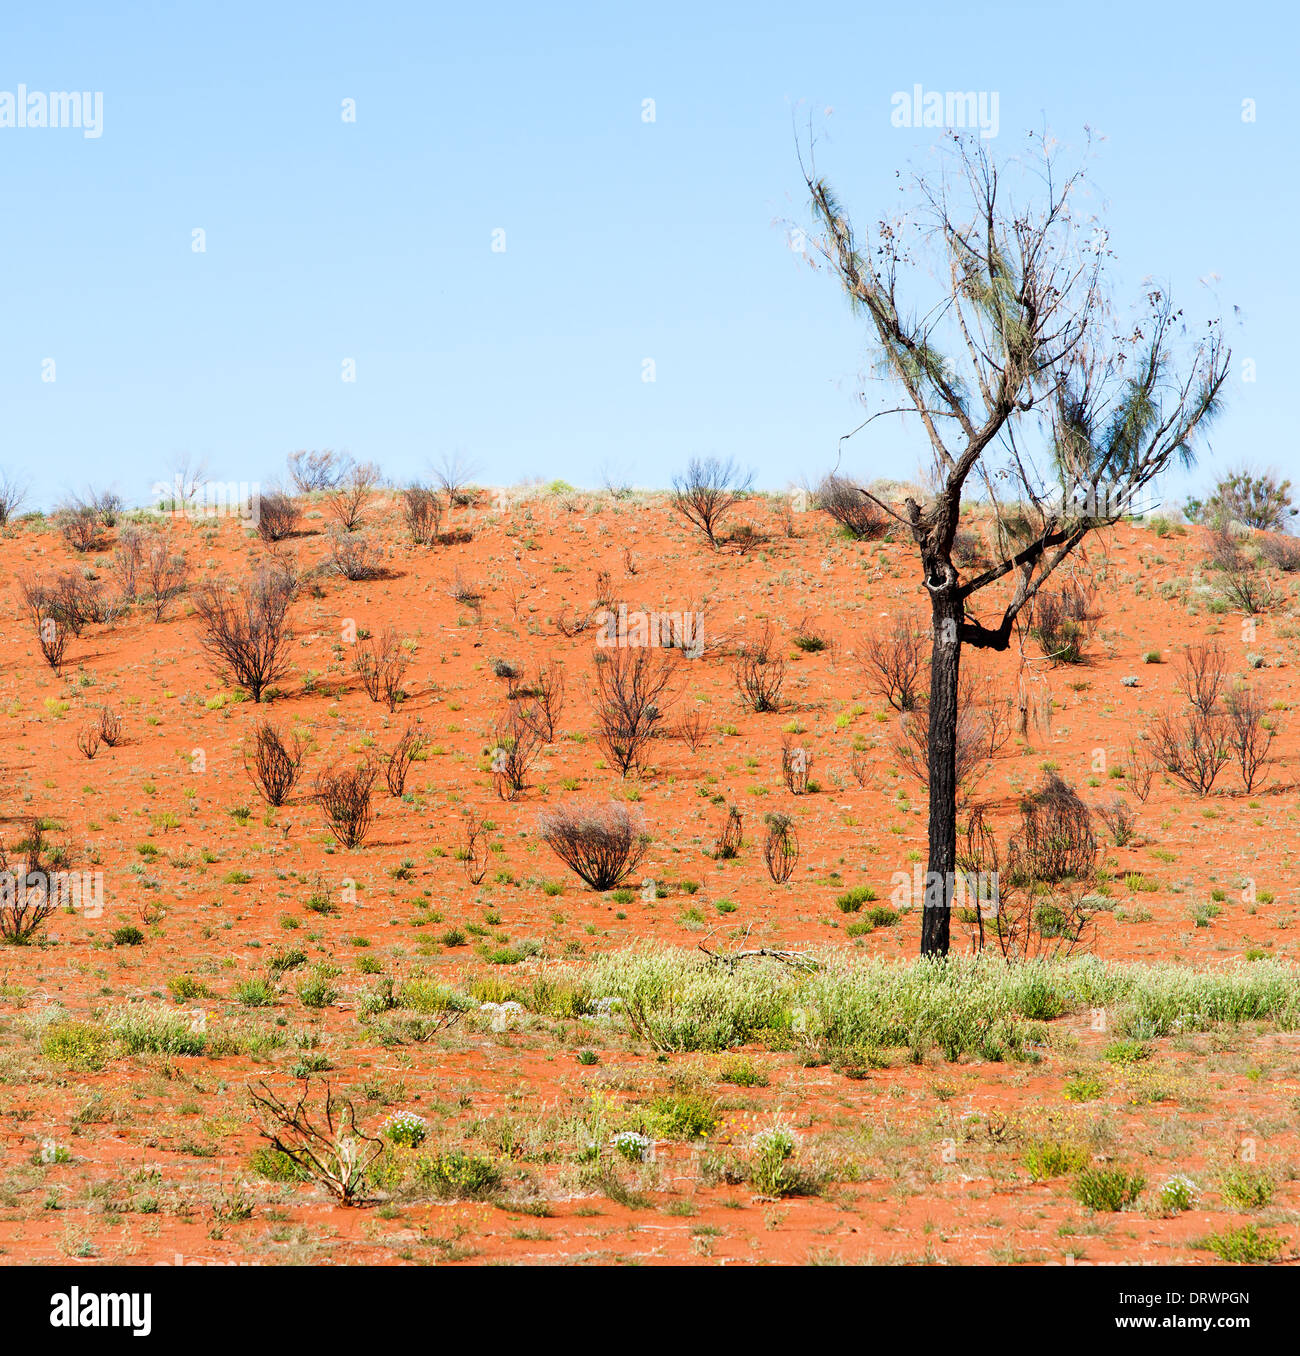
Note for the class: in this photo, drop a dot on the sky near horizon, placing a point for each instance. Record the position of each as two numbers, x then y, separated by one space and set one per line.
377 240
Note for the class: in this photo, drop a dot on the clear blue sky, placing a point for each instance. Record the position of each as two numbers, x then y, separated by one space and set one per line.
625 240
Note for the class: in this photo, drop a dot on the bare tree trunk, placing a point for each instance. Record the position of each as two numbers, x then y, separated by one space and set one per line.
945 667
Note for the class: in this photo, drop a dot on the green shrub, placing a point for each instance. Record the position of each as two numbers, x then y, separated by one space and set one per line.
1245 1245
1083 1088
1246 1188
275 1165
254 993
406 1128
742 1072
77 1045
1126 1052
426 996
1108 1189
1178 1194
685 1116
459 1175
127 935
183 988
315 989
1054 1159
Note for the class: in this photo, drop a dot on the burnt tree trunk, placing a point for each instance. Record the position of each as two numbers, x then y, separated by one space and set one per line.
945 672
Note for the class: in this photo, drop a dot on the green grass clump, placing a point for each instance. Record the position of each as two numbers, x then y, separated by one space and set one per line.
147 1030
286 959
681 1001
1051 1158
1126 1052
852 900
425 996
1108 1189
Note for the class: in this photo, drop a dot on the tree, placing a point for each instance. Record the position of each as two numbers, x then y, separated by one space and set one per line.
1027 386
1255 499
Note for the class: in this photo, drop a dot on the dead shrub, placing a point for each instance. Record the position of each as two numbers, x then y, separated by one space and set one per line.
1031 919
381 663
13 494
110 726
350 499
860 766
88 739
81 526
911 748
517 744
1062 622
1140 770
1056 841
729 842
312 472
1192 746
894 664
244 629
466 592
1200 675
1120 821
632 693
405 751
601 844
422 509
166 574
28 890
52 636
545 699
277 516
759 673
693 729
859 517
781 847
1281 551
474 853
273 764
795 763
346 796
1250 734
355 558
707 492
128 562
335 1153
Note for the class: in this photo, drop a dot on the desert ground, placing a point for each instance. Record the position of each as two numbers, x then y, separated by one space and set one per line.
539 1072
